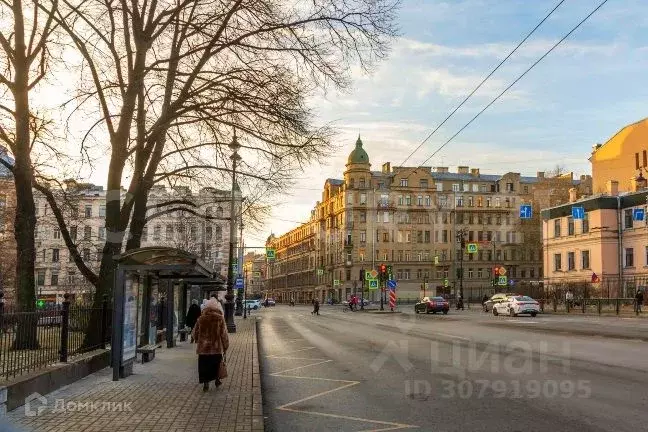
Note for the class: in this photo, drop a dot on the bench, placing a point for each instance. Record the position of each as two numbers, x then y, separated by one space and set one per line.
148 352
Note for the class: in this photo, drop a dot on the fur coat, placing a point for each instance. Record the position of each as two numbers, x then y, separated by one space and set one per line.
210 333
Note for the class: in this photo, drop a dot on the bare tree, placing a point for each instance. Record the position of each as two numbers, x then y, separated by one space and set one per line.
24 56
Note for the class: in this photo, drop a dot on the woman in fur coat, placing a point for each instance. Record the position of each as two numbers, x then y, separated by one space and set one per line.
210 334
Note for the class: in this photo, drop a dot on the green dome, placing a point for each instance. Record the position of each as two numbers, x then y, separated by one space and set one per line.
358 155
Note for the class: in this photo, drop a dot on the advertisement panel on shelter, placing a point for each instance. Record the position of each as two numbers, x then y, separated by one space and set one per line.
129 338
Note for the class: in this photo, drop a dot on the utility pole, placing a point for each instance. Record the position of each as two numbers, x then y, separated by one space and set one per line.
229 297
462 244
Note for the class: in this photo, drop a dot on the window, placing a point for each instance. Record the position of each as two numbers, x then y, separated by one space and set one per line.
363 198
88 211
385 217
157 232
439 187
362 183
54 279
466 187
585 223
87 233
455 187
169 232
57 233
428 202
102 233
557 228
403 182
73 233
498 202
488 202
570 226
424 183
55 255
509 187
585 262
571 265
470 273
219 212
102 211
40 277
459 201
419 200
209 232
350 198
86 254
470 202
628 218
637 160
645 158
557 262
71 277
629 257
408 200
144 234
219 232
386 237
363 236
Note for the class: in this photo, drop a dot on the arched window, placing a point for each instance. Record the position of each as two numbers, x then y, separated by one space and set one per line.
209 211
219 232
219 212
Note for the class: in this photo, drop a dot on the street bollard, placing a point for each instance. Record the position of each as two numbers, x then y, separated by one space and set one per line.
65 327
618 306
584 305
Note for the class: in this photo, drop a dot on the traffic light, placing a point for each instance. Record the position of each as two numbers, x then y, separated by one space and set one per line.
463 243
383 268
390 274
362 274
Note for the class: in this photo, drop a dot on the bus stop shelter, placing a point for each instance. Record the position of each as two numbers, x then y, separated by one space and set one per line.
144 277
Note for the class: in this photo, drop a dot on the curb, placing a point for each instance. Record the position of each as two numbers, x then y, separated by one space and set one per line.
258 420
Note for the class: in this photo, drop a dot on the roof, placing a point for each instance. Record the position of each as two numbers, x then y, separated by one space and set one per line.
464 177
626 128
597 202
335 182
178 262
358 155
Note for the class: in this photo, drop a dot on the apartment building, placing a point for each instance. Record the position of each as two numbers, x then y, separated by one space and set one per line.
254 273
409 218
204 231
7 239
606 252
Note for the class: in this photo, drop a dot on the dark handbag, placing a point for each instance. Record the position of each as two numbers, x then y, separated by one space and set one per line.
222 370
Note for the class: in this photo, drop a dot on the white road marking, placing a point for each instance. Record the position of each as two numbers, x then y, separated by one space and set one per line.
391 426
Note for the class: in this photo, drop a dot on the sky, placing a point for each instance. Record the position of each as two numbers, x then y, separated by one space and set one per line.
587 89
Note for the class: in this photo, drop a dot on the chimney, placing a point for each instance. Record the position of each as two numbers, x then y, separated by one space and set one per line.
386 167
572 195
441 169
612 187
475 172
638 183
541 174
463 170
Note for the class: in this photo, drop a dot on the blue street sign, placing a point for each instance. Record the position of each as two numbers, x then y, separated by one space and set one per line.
238 283
391 284
511 282
526 211
638 214
578 212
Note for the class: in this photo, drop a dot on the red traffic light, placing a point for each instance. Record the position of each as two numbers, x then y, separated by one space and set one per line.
383 268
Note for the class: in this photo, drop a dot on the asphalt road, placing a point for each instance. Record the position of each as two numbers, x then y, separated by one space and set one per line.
462 372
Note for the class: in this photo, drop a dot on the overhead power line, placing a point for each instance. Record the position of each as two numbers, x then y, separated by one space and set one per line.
483 81
511 85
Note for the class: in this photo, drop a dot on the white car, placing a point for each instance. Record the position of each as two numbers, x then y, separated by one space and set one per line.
516 305
253 304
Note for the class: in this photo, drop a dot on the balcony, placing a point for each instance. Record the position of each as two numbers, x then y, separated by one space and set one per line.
348 244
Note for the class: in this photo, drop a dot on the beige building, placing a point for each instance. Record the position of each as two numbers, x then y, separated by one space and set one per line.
7 239
254 273
205 234
409 218
604 254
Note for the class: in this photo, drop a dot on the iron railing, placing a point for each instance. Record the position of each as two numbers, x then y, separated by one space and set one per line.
35 339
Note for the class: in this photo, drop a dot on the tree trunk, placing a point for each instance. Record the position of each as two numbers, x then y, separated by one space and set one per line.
138 219
25 222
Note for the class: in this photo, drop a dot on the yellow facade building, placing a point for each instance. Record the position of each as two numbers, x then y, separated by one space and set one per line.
622 158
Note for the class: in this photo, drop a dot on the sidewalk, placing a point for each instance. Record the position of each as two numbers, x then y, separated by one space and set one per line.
163 395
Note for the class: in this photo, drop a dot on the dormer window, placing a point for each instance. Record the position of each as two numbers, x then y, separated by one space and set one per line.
362 183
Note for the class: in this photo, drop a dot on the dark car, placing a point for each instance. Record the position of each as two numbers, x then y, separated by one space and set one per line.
432 304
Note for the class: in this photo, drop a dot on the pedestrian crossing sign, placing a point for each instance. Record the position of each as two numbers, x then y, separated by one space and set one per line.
270 254
471 248
502 281
373 284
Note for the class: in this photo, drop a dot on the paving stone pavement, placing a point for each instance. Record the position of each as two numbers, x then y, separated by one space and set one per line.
163 395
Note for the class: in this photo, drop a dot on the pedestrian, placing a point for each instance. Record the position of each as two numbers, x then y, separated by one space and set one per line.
202 305
210 333
639 298
316 306
484 300
192 316
460 304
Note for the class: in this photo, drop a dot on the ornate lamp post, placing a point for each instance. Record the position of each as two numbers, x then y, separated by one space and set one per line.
229 297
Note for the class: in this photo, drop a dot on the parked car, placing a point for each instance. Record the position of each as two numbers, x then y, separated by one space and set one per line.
253 304
497 298
270 302
432 304
517 305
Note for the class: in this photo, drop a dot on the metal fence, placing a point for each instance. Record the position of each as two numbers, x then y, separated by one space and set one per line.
33 340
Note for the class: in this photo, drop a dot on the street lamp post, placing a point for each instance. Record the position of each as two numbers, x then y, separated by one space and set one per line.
462 245
229 297
245 294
